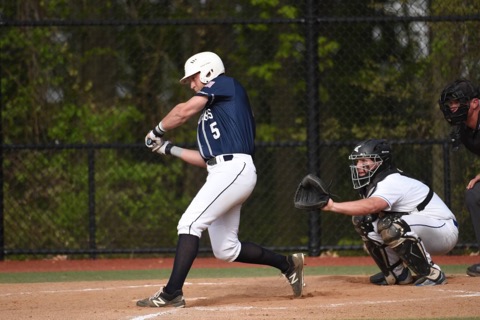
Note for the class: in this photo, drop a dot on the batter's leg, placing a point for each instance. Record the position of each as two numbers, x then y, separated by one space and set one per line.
253 253
226 246
291 266
187 250
172 294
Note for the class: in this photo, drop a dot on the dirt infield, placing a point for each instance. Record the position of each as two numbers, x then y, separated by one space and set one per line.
325 297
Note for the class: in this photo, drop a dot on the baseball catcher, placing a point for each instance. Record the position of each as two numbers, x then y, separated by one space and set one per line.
400 219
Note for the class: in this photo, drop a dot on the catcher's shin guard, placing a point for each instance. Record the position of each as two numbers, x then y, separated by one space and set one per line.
363 226
408 247
379 255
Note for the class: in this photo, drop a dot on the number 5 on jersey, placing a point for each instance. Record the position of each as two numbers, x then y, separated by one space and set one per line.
215 130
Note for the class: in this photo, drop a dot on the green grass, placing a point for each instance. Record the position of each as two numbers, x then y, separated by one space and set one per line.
65 276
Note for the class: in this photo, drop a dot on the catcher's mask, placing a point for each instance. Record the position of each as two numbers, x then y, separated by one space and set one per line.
207 63
379 151
455 100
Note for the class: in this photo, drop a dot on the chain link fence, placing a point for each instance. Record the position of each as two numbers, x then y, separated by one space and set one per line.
82 82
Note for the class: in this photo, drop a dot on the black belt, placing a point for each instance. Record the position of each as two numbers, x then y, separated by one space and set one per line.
213 161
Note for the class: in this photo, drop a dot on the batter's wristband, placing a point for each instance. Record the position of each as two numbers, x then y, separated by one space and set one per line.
158 132
168 148
175 151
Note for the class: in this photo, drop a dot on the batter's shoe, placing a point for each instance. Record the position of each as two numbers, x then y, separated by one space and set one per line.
404 278
474 270
162 299
435 278
294 274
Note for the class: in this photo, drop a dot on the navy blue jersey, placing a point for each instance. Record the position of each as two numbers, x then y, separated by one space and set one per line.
226 124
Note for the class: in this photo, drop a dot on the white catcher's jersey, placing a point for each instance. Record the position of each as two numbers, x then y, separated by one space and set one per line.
435 225
404 194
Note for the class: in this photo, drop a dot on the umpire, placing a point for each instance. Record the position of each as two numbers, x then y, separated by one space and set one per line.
459 102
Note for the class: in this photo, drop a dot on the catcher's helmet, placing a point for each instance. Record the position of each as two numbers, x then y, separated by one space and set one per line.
379 150
207 63
461 91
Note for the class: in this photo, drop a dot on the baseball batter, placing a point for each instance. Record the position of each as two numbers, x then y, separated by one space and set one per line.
225 137
401 220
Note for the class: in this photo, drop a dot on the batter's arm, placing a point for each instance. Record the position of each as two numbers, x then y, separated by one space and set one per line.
357 208
182 112
192 157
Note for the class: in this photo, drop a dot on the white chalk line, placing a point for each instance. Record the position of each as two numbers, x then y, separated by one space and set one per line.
154 315
208 309
428 299
101 289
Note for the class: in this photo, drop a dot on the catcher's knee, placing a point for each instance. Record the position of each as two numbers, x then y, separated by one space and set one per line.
363 224
408 246
392 229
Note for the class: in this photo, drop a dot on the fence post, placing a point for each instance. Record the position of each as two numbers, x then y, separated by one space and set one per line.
446 174
313 139
2 217
92 226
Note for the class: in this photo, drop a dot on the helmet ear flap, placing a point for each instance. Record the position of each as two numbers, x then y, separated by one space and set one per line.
206 76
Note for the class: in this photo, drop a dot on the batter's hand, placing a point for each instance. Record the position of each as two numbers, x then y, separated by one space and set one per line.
151 140
164 148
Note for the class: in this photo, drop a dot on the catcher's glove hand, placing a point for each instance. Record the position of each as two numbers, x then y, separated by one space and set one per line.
312 193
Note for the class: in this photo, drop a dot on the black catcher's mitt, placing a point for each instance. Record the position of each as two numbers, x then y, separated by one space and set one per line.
312 193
